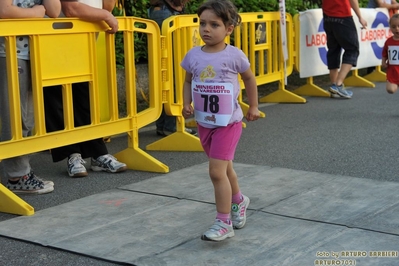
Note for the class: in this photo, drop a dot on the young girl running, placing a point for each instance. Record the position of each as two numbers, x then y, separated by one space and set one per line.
211 83
390 56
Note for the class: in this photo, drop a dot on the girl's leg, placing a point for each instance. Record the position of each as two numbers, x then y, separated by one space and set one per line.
391 87
240 202
219 144
221 184
237 196
232 175
222 228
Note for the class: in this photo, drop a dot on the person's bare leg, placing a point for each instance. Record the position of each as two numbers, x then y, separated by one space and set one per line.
343 72
391 88
221 184
333 75
232 175
223 226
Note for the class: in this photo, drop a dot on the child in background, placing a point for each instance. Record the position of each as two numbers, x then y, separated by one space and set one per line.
390 55
17 170
211 83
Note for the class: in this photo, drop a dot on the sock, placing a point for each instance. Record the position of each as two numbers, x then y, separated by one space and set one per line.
224 217
237 198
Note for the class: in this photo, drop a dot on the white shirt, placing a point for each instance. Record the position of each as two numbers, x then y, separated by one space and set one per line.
92 3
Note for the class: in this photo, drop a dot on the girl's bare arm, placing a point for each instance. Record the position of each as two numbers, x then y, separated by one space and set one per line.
8 10
252 94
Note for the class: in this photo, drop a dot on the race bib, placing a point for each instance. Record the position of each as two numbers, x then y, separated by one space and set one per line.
213 102
393 55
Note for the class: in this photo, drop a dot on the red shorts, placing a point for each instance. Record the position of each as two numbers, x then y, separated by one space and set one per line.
392 74
221 142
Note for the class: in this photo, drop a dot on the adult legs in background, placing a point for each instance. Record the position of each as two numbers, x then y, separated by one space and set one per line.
96 148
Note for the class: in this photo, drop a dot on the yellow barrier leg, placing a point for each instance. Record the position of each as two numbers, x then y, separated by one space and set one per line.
136 159
282 96
377 75
310 89
11 203
357 81
178 141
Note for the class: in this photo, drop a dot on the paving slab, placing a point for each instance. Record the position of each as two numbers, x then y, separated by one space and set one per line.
295 218
276 240
345 200
194 183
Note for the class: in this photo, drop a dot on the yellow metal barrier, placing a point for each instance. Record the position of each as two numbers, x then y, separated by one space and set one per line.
64 51
309 89
377 75
266 55
10 203
176 40
357 81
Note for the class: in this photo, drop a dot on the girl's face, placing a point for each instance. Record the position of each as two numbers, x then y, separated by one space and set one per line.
212 30
394 26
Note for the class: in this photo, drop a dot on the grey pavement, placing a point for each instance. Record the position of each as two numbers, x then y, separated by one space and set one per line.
322 178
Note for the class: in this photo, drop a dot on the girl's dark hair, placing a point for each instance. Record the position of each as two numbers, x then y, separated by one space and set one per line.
224 9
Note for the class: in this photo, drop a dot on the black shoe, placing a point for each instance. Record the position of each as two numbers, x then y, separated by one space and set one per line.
160 133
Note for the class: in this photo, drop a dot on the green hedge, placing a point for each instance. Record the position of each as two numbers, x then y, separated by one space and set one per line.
139 8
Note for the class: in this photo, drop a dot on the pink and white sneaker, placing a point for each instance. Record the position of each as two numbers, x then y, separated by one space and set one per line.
239 213
218 231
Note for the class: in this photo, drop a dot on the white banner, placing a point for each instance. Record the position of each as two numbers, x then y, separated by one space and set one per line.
313 42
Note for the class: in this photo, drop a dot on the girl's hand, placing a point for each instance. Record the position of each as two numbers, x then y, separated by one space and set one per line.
252 114
187 111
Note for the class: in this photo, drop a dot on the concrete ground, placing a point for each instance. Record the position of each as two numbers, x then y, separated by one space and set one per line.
322 178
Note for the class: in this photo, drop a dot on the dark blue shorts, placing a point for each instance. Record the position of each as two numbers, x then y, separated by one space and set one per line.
341 35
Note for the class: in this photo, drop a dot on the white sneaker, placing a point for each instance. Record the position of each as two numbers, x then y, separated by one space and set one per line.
45 182
239 213
107 163
218 231
30 184
75 165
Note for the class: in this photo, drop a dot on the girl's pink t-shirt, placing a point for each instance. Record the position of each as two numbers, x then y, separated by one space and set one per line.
218 68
